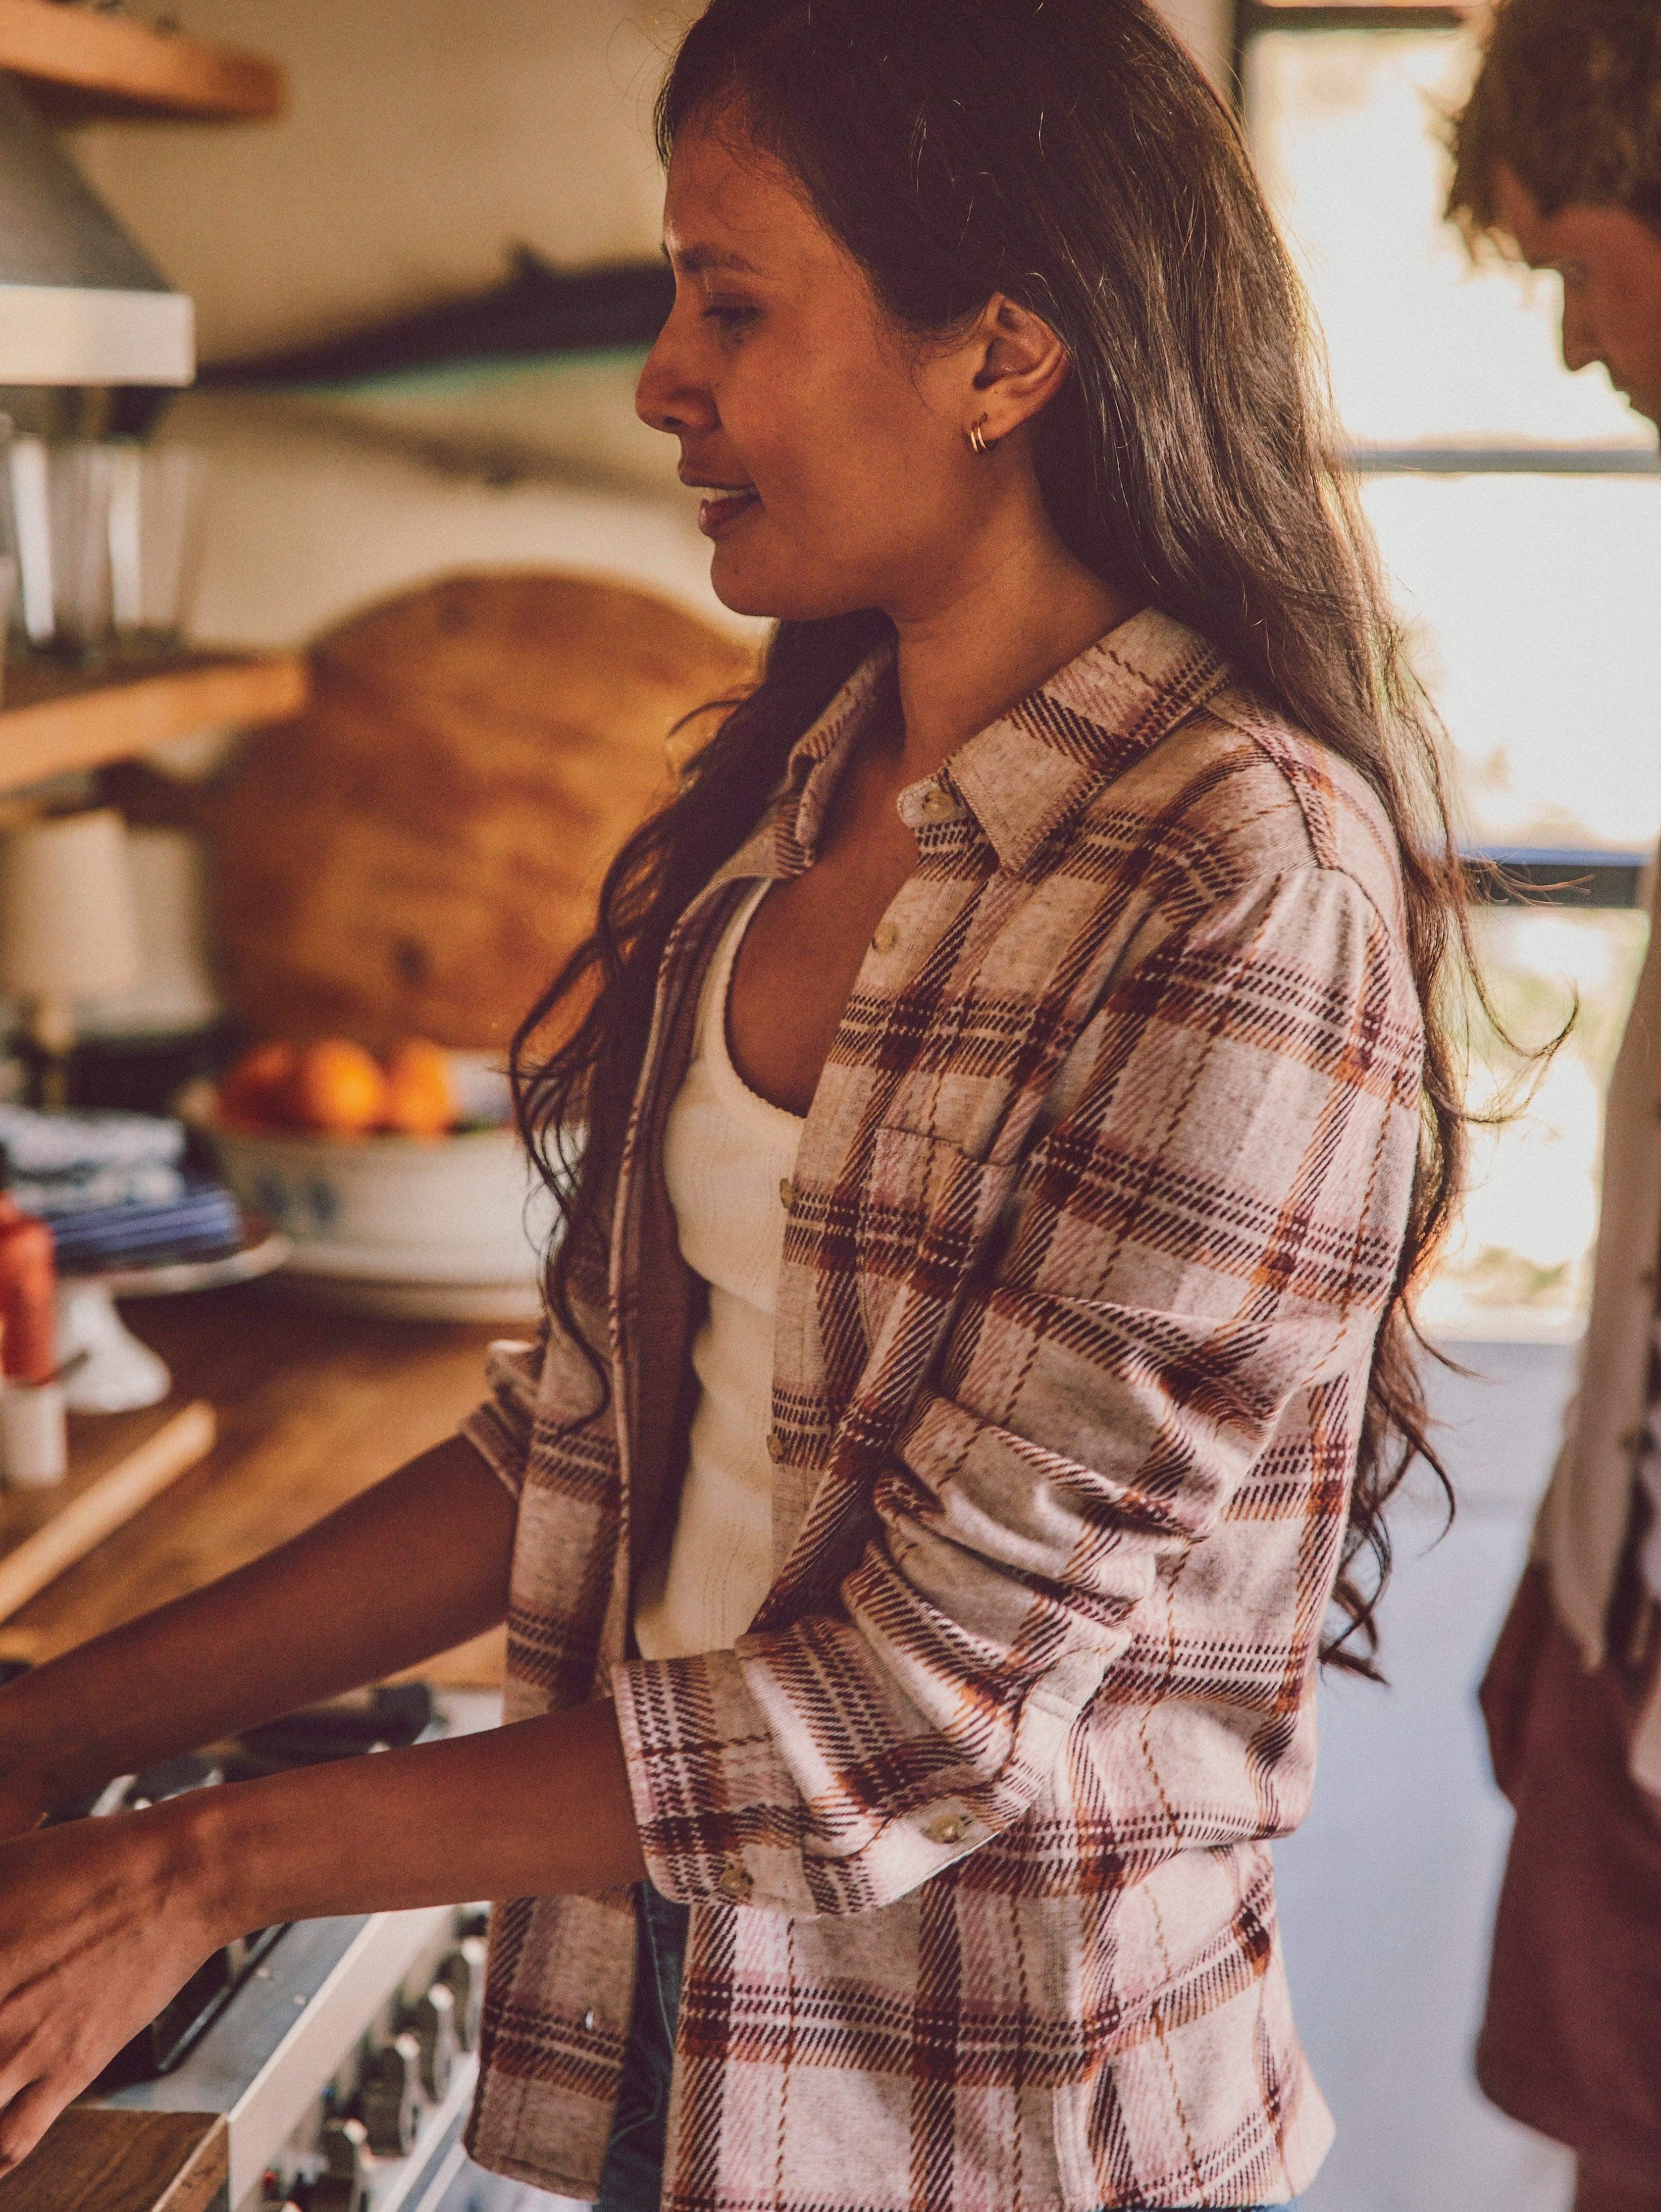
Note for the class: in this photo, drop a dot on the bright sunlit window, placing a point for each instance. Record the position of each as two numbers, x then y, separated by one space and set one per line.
1520 511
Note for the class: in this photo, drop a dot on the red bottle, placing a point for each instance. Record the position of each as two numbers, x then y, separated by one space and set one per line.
29 1295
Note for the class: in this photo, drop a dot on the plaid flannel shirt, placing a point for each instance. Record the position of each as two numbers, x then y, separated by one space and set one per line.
1096 1213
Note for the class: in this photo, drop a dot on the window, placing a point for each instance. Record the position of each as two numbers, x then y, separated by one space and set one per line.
1518 512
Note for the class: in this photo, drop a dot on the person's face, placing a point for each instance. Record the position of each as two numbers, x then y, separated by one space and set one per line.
1611 265
835 449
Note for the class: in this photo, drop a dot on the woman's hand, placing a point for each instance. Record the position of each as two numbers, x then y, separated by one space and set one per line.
28 1789
24 1801
100 1923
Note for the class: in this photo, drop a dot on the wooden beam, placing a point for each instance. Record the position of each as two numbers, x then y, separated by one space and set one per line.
1356 15
87 64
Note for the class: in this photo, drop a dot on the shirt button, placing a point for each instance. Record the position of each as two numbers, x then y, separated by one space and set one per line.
887 937
935 802
588 2023
734 1883
774 1446
786 1194
948 1828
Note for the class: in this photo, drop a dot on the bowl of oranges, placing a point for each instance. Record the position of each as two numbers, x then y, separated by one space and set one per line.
397 1177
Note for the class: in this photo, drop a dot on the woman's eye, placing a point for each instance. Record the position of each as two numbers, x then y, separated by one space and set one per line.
730 315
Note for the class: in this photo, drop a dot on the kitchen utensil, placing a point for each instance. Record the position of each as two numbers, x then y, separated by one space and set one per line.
155 514
60 497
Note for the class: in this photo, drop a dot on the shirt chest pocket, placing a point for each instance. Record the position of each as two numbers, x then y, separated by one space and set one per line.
927 1214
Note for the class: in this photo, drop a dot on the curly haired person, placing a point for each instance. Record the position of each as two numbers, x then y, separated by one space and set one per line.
1558 158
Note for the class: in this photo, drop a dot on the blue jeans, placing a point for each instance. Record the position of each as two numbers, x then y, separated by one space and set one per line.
632 2179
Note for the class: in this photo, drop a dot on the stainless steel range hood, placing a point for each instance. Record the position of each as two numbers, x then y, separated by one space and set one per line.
79 303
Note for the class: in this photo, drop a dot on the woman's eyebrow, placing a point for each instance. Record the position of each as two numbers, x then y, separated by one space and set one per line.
695 259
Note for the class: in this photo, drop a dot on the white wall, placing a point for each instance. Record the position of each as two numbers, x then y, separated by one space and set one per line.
423 138
1387 1892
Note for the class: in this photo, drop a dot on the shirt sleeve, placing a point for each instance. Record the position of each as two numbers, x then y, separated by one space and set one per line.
1212 1226
499 1427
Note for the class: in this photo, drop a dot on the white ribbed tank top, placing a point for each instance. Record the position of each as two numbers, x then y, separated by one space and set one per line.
726 1154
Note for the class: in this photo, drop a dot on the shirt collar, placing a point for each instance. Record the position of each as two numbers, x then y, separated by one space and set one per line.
1026 772
817 759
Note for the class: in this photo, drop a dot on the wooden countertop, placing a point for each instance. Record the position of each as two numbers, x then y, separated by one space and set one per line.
314 1406
100 2162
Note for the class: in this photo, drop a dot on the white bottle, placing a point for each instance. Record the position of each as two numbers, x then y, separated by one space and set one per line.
34 1451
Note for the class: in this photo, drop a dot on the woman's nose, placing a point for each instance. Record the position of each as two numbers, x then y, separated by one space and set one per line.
669 397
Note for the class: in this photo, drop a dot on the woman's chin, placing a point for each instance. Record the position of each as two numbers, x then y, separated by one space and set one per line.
738 593
749 587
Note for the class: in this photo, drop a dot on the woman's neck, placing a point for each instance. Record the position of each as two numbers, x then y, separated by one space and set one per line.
1011 616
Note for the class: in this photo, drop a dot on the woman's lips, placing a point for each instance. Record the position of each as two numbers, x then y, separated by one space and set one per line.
719 511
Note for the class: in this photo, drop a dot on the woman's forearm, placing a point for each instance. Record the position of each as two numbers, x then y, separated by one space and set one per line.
413 1566
102 1922
534 1809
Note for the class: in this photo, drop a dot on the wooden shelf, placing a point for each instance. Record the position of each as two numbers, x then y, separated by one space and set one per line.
81 65
57 720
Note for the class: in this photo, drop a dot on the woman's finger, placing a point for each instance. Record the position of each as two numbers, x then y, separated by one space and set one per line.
22 2062
26 2119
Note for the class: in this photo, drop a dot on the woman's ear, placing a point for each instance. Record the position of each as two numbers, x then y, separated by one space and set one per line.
1022 366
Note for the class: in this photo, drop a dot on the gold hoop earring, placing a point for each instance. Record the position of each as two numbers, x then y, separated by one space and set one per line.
978 441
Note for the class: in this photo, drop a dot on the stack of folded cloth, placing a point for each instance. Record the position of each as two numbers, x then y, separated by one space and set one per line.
115 1189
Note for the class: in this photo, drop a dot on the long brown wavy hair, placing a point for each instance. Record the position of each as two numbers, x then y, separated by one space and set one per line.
1069 154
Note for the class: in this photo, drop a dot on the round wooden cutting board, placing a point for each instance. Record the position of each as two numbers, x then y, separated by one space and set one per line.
419 850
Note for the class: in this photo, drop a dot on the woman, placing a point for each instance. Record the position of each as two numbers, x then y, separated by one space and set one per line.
1014 1109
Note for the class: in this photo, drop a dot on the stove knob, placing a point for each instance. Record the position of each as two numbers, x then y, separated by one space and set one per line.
434 2023
343 2183
463 1975
391 2097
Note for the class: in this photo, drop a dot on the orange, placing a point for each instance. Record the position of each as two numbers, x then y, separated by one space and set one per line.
421 1099
338 1086
254 1088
